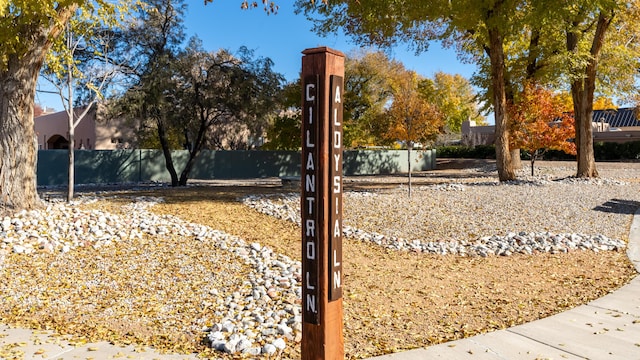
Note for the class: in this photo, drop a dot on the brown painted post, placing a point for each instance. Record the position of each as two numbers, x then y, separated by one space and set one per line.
321 204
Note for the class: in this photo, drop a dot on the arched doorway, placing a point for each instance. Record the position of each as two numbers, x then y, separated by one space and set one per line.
57 142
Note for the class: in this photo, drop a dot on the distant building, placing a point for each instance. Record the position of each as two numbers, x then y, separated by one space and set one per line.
52 132
98 133
615 125
473 135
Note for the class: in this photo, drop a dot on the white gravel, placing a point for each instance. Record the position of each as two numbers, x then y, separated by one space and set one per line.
480 216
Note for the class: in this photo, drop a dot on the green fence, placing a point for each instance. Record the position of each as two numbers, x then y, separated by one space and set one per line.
131 166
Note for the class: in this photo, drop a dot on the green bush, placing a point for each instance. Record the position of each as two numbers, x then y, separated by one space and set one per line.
607 151
555 155
603 151
467 152
633 150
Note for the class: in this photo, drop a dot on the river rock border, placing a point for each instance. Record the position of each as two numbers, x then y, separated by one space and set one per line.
286 207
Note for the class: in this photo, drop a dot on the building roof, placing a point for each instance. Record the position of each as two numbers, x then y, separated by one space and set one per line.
622 117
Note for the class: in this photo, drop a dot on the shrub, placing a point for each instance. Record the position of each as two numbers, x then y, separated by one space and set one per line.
603 151
467 152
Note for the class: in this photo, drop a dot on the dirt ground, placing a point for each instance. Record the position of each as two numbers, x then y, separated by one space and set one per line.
392 301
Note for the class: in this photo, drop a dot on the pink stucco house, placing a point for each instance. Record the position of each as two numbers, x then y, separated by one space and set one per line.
52 132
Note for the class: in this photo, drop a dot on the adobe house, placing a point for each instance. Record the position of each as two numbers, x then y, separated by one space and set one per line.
614 125
52 132
110 134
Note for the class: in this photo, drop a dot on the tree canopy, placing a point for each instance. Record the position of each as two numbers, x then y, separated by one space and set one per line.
454 97
559 43
283 133
28 31
369 80
411 118
372 79
191 98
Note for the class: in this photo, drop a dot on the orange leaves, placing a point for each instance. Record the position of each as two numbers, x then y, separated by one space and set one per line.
538 123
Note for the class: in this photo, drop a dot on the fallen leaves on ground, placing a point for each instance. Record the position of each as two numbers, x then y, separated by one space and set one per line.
156 292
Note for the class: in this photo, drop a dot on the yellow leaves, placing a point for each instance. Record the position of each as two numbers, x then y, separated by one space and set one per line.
603 103
124 294
11 352
3 7
413 118
128 293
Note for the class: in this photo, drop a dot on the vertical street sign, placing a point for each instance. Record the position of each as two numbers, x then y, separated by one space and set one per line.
310 209
321 204
335 170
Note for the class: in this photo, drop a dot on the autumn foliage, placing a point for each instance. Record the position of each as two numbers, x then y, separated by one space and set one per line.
412 119
538 123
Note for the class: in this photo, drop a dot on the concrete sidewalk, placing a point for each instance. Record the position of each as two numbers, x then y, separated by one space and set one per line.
28 344
607 328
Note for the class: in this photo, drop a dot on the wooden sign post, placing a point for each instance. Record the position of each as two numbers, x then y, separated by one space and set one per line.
321 204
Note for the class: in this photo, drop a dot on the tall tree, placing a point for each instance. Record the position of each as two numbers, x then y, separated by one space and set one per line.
600 49
531 58
411 118
455 97
154 42
27 31
473 24
219 91
81 62
192 98
583 79
369 80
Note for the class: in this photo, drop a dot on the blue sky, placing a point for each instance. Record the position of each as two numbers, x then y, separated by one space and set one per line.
283 37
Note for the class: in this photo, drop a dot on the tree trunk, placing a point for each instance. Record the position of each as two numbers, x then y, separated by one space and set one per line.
184 176
409 146
168 159
582 92
193 153
198 143
17 136
71 127
503 156
533 163
71 166
583 112
515 159
18 140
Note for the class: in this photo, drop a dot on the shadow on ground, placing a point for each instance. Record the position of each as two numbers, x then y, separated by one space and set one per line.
619 206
